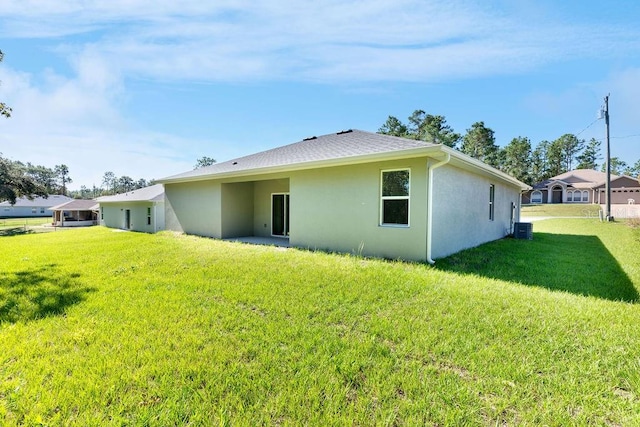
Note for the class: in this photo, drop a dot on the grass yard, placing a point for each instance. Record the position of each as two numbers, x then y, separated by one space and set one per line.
109 328
562 210
13 226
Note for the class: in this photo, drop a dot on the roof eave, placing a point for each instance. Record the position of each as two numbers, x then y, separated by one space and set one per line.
464 160
434 151
429 151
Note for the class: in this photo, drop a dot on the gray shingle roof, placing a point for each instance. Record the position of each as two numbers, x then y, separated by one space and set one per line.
154 193
347 147
77 205
334 146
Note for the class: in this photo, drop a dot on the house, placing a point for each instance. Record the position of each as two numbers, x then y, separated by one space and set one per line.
624 190
38 207
139 210
351 191
584 186
76 213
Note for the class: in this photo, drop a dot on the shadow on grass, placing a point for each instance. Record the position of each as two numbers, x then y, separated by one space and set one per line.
15 231
34 294
578 264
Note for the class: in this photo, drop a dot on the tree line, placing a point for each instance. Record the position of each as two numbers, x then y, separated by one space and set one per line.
19 179
519 158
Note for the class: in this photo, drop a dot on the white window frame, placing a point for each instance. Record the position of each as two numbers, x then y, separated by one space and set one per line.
383 198
585 196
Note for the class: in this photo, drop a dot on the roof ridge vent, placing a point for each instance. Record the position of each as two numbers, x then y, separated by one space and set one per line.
342 132
310 138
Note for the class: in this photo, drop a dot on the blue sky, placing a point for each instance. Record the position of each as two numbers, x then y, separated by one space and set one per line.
145 87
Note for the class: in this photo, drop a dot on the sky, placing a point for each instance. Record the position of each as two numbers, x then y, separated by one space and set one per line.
144 88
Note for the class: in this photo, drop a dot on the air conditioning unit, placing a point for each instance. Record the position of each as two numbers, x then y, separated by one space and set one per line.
523 230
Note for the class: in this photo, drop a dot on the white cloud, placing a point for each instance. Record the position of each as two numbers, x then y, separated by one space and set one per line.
76 121
407 40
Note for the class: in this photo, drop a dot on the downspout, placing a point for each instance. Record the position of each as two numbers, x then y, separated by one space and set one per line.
430 206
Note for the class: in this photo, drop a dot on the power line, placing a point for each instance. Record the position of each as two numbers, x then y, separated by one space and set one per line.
590 124
626 136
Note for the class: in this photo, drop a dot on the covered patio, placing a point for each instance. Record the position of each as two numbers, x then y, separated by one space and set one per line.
76 213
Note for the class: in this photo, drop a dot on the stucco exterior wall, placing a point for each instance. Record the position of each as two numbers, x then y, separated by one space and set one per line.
461 210
237 215
338 209
113 215
24 211
194 208
262 204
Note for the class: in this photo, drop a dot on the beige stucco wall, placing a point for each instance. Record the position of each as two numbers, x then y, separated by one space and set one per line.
113 216
338 209
194 208
461 210
237 215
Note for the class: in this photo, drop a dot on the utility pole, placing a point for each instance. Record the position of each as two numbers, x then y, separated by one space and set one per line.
608 185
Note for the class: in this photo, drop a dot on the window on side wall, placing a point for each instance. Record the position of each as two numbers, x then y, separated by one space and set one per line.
492 196
148 216
395 193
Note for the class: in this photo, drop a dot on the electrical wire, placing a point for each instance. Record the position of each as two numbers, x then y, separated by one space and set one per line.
591 124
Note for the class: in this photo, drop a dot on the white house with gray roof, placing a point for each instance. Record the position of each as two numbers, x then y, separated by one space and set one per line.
36 207
351 191
137 210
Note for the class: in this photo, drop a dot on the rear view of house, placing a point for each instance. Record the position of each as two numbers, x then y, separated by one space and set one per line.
353 192
137 210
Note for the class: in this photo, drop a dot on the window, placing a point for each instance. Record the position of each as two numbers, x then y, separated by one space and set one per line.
536 197
492 195
576 196
101 212
148 216
585 196
569 196
33 210
394 206
41 210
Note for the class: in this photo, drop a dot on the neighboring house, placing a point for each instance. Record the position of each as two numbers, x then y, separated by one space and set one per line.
139 210
76 213
352 191
584 186
38 207
624 190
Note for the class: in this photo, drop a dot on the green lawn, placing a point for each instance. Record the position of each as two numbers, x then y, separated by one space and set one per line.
562 210
113 328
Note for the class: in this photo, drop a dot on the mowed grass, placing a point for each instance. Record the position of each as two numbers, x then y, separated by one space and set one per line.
11 226
111 328
562 210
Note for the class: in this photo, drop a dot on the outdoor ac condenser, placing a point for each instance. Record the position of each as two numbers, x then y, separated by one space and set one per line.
523 230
